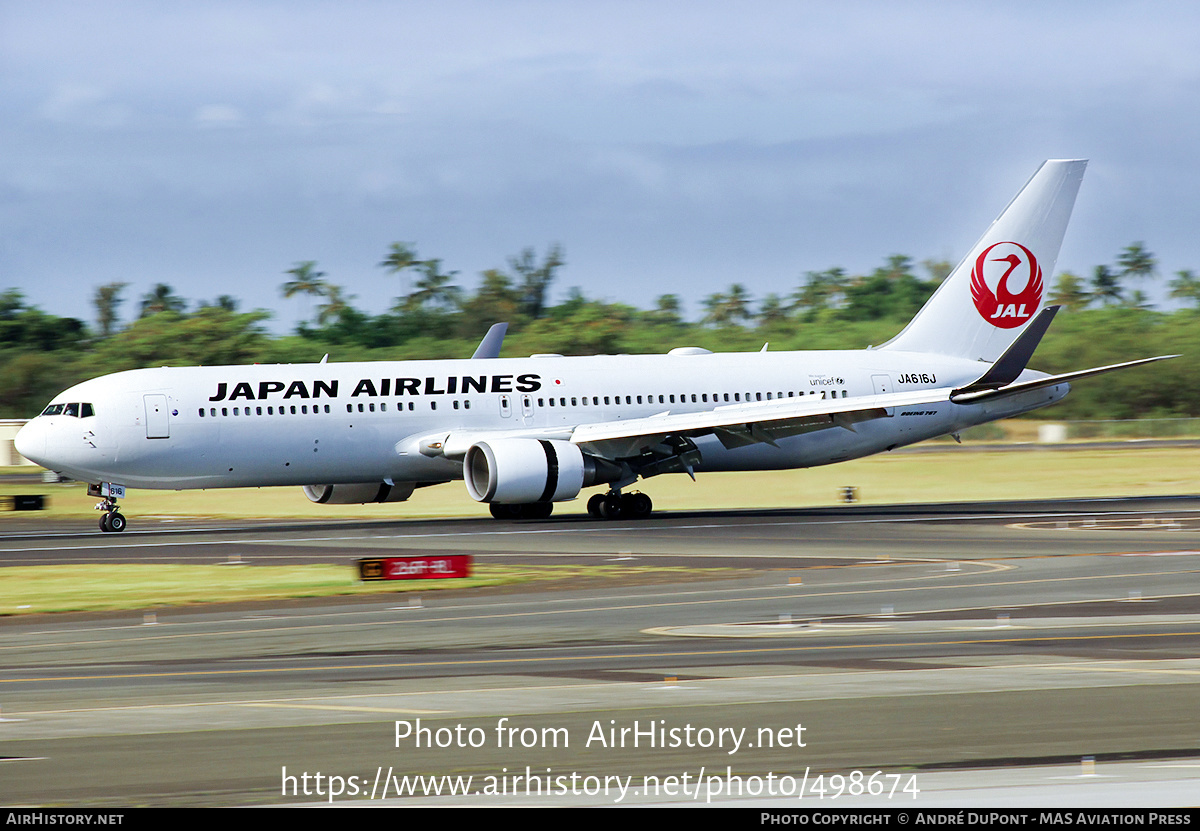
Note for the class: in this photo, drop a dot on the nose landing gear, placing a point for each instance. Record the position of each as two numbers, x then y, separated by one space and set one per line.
112 519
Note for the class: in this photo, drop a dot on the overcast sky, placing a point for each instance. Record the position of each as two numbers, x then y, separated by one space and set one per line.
668 147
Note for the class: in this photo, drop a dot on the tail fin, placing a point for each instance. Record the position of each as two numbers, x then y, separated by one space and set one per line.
986 302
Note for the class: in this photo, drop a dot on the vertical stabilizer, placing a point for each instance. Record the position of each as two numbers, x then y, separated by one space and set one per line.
987 301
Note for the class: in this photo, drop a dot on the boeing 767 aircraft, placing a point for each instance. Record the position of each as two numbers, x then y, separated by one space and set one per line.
525 433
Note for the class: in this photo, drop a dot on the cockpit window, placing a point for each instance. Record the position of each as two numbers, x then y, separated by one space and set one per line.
74 409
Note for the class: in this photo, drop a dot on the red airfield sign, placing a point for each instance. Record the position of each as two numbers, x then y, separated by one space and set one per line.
415 568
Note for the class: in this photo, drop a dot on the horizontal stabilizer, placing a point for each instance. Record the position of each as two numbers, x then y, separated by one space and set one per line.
966 396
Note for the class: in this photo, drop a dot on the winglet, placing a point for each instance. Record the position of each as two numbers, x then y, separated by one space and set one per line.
1009 366
489 347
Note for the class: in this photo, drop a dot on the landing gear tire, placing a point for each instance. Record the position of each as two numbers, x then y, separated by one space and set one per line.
636 505
611 506
112 521
594 504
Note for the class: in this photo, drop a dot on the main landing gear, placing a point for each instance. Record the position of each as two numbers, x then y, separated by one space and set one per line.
616 505
112 520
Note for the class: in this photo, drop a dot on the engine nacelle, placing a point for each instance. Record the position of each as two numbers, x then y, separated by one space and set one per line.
520 471
359 493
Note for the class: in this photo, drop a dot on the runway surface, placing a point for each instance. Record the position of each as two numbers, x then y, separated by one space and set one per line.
913 641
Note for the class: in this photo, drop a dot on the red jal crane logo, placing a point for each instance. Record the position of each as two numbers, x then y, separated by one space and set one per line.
1004 309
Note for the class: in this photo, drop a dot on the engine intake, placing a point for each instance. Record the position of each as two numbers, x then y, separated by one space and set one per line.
520 471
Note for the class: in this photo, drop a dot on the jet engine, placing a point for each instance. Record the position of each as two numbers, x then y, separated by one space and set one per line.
359 493
521 471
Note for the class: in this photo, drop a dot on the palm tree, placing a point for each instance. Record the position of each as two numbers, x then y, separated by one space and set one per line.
433 288
1186 286
307 280
1069 291
333 307
161 298
772 312
1106 286
821 290
107 299
402 256
1135 261
668 309
730 309
535 279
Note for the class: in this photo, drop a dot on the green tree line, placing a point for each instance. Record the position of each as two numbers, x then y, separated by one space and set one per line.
1107 319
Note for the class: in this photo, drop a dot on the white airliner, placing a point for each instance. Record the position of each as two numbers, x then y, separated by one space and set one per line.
525 433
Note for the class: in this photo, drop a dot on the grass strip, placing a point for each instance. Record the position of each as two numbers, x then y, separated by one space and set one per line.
101 588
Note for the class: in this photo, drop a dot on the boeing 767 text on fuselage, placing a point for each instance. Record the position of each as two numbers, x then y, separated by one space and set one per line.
525 433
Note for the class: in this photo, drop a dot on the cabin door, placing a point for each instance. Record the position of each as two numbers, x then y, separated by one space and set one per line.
158 424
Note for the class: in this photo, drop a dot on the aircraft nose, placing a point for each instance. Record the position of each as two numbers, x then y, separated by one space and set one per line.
30 441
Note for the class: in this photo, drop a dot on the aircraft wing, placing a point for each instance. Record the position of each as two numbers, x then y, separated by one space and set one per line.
737 425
